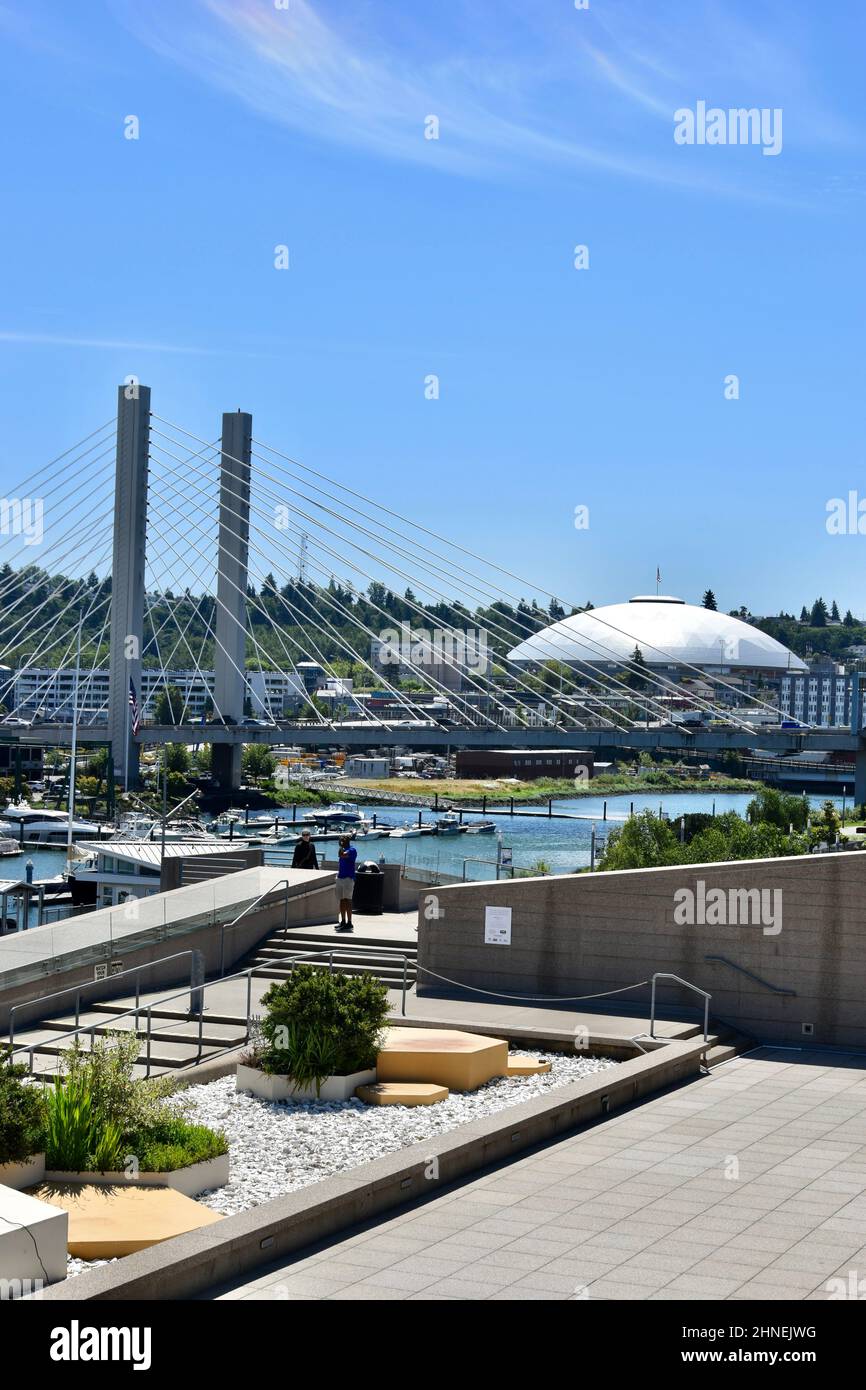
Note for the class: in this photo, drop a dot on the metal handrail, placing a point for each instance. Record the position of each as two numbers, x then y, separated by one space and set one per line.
76 989
147 1009
663 975
774 989
156 1004
295 897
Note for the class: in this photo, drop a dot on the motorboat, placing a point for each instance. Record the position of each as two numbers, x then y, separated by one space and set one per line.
449 824
480 827
340 813
405 832
40 826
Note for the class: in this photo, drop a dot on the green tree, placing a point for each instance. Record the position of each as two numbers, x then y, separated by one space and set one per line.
257 761
709 600
643 842
177 757
818 616
169 706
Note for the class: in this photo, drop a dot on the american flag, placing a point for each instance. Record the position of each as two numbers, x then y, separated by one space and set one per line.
133 707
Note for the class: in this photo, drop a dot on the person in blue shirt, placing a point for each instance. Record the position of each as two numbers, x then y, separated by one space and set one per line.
346 882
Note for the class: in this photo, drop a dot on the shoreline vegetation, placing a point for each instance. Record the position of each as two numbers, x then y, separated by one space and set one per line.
473 791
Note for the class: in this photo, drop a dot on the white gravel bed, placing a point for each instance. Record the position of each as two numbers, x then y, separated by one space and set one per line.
278 1147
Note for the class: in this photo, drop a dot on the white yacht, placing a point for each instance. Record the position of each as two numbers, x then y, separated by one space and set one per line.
405 832
341 813
41 826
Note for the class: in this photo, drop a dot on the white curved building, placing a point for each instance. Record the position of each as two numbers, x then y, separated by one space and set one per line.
670 633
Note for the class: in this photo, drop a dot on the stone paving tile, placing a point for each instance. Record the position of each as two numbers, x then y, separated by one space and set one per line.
639 1207
372 1292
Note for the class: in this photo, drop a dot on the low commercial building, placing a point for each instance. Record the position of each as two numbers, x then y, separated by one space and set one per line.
526 763
367 767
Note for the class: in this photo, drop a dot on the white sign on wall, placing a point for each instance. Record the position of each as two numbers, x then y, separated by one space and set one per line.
497 926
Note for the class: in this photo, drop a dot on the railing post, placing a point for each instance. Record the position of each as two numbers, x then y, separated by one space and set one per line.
653 1008
147 1072
77 1007
249 1003
405 965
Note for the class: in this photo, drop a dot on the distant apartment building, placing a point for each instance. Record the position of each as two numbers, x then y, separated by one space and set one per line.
822 698
51 693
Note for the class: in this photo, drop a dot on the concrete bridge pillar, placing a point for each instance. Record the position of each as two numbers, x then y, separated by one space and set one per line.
232 566
127 575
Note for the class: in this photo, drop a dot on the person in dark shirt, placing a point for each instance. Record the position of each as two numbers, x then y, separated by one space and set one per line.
305 856
346 882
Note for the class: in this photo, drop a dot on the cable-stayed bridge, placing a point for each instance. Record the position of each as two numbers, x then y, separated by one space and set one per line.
148 547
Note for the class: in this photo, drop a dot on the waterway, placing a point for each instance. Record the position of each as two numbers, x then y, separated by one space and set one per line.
562 845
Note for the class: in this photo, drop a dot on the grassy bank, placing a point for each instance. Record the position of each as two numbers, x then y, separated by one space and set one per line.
472 792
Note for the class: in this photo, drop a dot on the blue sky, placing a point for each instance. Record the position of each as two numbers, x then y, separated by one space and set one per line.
304 126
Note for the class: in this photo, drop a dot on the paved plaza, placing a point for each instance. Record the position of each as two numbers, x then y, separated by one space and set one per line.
749 1183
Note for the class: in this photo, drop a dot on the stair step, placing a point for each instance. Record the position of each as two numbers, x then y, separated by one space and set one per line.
315 943
722 1052
270 971
181 1015
347 957
170 1062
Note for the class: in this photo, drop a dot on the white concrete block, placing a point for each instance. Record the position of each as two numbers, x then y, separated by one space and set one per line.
33 1239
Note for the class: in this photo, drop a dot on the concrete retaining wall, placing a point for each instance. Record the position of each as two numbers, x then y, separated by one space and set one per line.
306 905
584 933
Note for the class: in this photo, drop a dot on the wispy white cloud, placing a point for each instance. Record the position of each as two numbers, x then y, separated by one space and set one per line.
114 344
515 87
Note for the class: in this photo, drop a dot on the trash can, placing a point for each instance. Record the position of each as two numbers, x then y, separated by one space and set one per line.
369 889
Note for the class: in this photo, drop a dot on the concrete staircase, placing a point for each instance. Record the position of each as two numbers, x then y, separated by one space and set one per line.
174 1037
382 957
724 1042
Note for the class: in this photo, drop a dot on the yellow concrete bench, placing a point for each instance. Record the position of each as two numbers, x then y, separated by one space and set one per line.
105 1222
401 1093
442 1056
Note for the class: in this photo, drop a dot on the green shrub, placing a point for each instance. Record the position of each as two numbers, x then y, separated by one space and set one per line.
172 1142
78 1137
106 1073
311 1053
22 1115
99 1115
319 1024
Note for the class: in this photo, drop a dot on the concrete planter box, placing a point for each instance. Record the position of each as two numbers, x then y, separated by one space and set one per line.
26 1174
195 1178
33 1238
279 1088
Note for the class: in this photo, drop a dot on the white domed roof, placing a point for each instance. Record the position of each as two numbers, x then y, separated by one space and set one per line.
668 632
